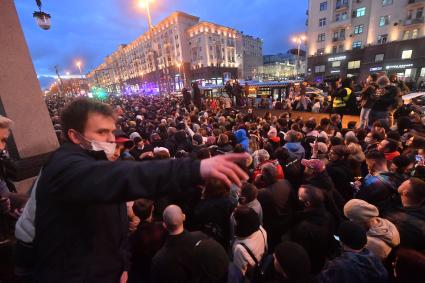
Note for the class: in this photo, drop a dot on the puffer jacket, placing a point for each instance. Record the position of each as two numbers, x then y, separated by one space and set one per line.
382 238
295 150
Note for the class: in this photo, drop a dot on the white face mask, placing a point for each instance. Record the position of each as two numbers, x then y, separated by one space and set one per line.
107 147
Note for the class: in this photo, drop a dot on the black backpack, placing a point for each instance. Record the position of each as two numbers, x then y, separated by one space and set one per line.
258 274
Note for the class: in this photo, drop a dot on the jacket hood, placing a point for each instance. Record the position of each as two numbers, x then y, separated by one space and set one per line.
294 147
240 135
385 231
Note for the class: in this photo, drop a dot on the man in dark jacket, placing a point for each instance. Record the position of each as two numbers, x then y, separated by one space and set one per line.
410 218
387 96
81 219
314 227
356 264
175 261
340 171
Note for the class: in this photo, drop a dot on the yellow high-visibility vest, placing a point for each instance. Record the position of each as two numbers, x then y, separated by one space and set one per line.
342 101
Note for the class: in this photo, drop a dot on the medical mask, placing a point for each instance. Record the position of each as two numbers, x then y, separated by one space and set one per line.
107 147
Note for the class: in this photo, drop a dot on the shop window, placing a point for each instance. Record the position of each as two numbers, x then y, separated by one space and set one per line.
406 54
354 64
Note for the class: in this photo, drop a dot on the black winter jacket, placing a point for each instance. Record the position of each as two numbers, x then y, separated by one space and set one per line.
81 219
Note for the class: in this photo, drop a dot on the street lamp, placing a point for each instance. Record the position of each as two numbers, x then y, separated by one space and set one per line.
78 64
43 19
144 4
299 39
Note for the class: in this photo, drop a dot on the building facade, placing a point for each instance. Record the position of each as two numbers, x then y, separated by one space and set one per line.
179 49
357 37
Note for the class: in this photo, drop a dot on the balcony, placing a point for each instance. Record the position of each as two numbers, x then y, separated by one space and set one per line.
336 39
341 6
414 21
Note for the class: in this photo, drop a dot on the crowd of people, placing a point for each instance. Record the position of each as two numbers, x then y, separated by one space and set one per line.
149 189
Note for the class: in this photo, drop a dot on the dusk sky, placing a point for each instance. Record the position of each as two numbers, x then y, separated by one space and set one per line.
91 29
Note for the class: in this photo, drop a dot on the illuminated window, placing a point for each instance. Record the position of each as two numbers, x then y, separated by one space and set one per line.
387 2
379 57
384 20
406 54
354 64
406 34
382 39
422 72
336 64
415 33
320 69
360 12
358 29
357 44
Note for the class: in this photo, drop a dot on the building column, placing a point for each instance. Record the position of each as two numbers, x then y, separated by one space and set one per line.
21 100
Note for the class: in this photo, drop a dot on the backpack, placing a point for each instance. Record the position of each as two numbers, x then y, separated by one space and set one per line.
258 273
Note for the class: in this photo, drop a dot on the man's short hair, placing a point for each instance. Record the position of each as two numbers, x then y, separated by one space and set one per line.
5 123
75 115
377 136
142 208
314 195
392 145
417 190
249 192
375 155
310 124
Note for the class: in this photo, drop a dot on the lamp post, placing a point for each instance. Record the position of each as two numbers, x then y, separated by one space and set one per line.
144 4
78 64
299 39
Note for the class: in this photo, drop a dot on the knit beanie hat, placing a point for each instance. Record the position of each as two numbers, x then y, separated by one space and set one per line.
293 259
352 235
360 211
212 259
247 221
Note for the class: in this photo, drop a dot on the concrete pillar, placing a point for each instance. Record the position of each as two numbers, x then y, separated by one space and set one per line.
21 100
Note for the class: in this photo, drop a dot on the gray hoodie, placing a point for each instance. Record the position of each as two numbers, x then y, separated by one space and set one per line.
382 238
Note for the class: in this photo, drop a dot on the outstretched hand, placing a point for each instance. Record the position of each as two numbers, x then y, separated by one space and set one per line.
223 168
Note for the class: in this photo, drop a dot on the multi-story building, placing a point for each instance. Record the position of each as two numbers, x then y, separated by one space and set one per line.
179 49
357 37
283 66
252 56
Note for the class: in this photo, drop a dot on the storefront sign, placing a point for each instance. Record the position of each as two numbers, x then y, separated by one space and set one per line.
375 69
401 66
335 71
338 58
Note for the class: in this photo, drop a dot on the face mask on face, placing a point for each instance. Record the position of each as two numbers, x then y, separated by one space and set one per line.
107 147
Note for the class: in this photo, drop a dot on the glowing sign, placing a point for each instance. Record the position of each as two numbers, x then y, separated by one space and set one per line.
374 69
401 66
338 58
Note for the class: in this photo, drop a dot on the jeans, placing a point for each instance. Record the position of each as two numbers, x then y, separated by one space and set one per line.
382 116
364 117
